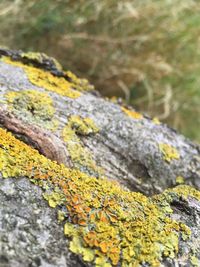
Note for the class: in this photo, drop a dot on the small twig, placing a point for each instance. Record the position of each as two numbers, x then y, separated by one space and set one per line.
166 101
105 39
125 89
150 95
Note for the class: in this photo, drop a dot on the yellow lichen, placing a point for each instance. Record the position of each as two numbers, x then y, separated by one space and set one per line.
131 113
169 152
107 224
194 261
156 121
33 107
80 156
40 58
54 198
46 80
77 83
186 191
83 126
180 180
61 216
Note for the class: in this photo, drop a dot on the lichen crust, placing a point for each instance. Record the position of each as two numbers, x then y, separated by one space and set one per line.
33 107
169 152
107 224
80 155
46 79
131 113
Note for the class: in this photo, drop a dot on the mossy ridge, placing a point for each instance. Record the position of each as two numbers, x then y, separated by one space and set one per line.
45 79
80 156
181 191
107 224
67 85
41 58
33 107
79 84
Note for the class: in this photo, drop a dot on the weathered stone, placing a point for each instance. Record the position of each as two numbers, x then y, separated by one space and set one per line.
94 138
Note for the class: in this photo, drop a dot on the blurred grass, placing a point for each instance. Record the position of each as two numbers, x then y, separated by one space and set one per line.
145 51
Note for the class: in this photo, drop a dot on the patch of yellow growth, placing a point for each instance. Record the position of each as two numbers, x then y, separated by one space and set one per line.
33 107
61 215
77 83
83 126
54 198
180 180
174 194
185 191
77 247
113 99
107 224
131 113
169 152
80 156
156 121
194 261
40 58
46 80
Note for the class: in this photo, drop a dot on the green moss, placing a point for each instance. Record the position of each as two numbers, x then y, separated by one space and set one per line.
33 107
107 224
80 156
169 152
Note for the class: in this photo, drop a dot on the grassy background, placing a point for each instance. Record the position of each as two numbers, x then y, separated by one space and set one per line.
145 51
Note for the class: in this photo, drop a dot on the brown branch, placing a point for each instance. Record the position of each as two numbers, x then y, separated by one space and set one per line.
47 143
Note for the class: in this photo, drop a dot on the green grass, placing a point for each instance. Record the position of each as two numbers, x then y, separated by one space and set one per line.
145 51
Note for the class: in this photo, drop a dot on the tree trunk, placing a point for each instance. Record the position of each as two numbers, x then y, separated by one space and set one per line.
89 143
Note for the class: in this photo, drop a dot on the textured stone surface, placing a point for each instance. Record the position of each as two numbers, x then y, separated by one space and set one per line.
29 233
126 148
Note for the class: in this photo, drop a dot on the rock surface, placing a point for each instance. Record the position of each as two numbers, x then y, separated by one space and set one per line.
29 233
116 142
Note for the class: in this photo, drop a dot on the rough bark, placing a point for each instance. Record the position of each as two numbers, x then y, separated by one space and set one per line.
128 148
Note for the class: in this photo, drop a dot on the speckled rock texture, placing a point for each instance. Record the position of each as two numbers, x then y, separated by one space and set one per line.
29 234
141 154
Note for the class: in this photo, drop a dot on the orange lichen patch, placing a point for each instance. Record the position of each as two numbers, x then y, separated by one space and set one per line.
80 156
169 152
33 107
45 79
131 113
141 232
